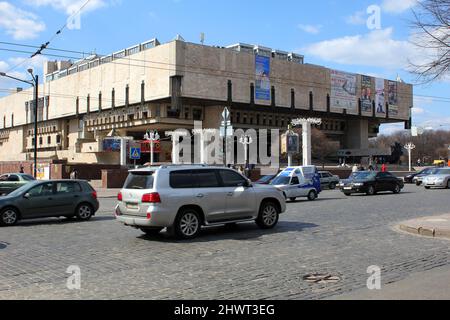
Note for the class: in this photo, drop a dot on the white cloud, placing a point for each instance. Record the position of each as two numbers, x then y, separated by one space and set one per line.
358 18
377 49
19 24
391 128
397 6
313 29
417 111
3 66
69 6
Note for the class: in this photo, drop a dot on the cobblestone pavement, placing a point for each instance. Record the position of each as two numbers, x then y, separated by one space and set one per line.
336 235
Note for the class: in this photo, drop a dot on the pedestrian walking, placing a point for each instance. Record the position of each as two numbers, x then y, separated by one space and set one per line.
384 167
74 174
22 170
355 168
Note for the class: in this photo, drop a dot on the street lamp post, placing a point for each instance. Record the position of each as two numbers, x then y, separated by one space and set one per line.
35 84
152 136
410 147
246 141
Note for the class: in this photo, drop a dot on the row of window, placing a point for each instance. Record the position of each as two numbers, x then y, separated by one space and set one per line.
188 179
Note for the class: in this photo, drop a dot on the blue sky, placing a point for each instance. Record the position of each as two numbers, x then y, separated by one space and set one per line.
333 33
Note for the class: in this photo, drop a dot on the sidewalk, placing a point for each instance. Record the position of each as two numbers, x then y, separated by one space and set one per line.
436 227
107 193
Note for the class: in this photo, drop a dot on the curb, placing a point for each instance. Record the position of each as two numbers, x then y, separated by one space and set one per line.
426 232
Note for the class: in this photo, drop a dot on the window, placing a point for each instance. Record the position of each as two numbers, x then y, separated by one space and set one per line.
12 120
58 139
41 190
13 178
67 187
232 179
230 91
140 180
197 114
295 181
181 180
127 95
100 101
113 98
40 141
206 178
28 178
49 140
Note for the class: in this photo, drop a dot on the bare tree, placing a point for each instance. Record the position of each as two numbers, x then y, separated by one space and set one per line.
432 22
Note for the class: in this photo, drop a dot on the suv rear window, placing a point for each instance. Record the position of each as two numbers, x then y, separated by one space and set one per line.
140 180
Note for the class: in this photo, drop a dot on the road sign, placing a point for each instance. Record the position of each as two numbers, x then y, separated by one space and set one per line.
225 123
135 153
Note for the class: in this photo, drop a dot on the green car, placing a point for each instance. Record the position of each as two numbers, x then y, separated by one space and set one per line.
12 181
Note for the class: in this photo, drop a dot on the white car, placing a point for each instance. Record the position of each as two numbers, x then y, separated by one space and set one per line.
298 182
185 198
439 179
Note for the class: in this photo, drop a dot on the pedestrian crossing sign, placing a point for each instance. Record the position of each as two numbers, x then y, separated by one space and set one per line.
135 153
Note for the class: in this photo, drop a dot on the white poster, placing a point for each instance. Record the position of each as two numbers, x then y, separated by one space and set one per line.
380 99
343 90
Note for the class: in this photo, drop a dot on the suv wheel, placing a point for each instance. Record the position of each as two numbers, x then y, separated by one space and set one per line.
448 184
268 215
187 224
293 199
397 189
312 195
84 212
332 185
9 217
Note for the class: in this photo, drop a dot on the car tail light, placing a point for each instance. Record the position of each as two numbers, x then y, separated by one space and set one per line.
151 198
119 196
94 194
149 216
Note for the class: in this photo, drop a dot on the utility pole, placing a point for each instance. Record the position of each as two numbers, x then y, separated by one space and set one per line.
35 84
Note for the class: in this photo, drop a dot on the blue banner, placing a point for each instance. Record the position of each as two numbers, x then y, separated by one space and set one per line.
262 87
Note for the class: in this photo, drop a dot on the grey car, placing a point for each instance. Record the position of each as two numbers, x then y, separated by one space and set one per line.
328 180
12 181
439 179
43 199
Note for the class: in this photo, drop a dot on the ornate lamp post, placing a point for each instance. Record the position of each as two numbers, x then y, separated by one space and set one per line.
306 124
410 147
152 137
246 140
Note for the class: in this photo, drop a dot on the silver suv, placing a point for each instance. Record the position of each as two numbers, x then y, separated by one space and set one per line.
185 198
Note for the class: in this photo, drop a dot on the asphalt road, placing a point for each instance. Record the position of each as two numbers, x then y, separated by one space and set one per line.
335 235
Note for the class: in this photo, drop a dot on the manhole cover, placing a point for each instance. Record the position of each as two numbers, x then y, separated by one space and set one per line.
321 278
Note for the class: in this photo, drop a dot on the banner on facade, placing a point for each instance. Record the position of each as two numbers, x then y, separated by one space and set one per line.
262 87
343 90
366 94
393 98
111 145
380 96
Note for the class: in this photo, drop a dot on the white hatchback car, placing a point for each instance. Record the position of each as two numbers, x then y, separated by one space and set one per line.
185 198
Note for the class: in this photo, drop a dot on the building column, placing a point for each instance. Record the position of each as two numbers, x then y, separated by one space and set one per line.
357 135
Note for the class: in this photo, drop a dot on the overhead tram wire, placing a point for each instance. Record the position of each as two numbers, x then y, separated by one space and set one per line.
309 84
45 45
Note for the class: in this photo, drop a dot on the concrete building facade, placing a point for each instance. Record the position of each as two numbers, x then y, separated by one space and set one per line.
168 86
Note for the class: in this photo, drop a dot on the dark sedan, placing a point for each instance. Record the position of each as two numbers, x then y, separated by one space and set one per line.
59 198
371 183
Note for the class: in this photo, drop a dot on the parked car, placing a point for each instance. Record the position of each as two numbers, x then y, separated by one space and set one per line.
299 182
419 178
410 177
328 180
185 198
12 181
58 198
439 179
370 183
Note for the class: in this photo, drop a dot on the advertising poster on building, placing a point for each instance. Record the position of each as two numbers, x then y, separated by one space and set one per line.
393 98
111 145
366 94
380 96
262 87
343 90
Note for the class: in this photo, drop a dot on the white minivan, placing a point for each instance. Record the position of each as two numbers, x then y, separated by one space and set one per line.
299 182
185 198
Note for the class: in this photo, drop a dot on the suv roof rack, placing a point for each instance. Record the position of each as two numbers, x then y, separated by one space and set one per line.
184 165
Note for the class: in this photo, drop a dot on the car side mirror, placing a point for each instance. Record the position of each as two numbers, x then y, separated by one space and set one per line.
26 195
248 184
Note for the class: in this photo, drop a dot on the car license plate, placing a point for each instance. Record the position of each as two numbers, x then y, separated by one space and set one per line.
132 206
348 188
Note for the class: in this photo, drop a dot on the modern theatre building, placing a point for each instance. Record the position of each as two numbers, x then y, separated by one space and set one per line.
87 105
